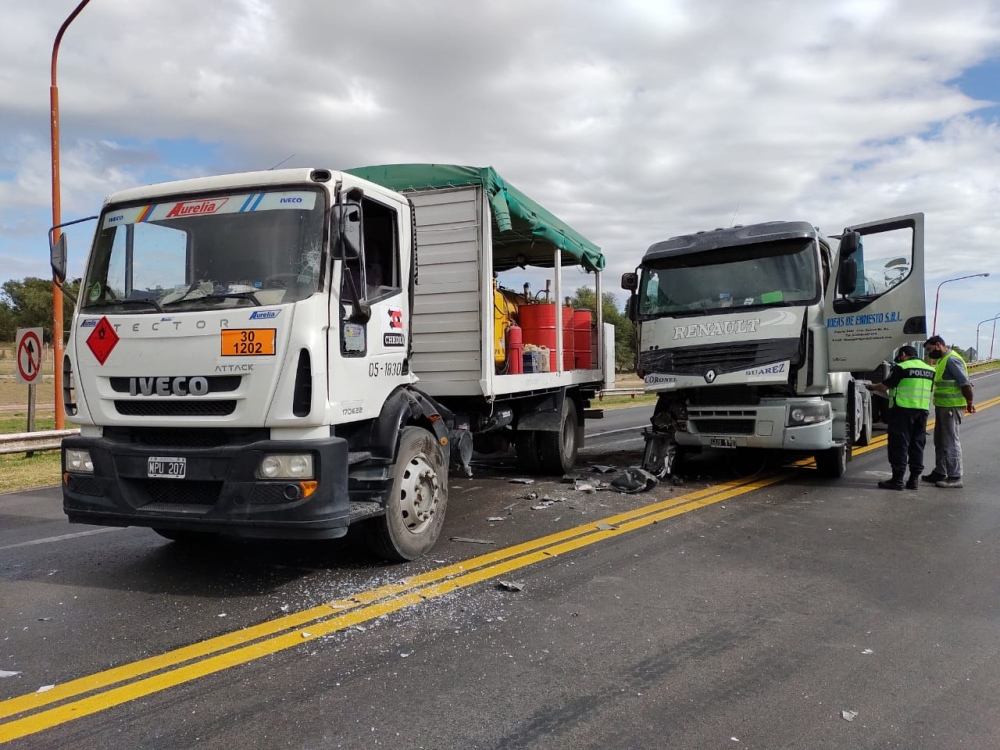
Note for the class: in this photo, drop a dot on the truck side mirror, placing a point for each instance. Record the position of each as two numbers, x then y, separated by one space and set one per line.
57 258
345 230
849 244
630 281
848 279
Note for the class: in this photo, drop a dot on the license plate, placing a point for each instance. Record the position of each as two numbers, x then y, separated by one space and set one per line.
248 342
723 442
161 467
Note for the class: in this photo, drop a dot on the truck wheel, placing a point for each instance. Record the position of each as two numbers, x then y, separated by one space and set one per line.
832 462
557 450
415 508
526 445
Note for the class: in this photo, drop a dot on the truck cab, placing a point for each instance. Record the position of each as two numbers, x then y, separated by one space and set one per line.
760 336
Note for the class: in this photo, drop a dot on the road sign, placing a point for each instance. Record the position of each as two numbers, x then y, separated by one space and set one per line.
29 355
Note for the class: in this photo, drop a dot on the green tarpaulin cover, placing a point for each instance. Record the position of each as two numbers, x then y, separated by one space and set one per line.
519 220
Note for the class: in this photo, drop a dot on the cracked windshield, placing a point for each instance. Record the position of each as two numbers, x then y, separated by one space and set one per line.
773 274
221 251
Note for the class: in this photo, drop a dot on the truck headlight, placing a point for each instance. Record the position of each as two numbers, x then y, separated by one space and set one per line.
802 414
286 466
79 462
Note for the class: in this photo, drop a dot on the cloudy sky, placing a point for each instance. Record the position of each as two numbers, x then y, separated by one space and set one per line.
634 120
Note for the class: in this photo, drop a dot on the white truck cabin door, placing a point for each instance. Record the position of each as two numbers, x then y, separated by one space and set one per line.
884 308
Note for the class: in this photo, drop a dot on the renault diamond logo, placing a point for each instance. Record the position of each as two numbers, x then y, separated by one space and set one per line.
710 376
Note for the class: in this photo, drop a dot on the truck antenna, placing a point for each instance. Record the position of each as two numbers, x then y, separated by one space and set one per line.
281 162
738 205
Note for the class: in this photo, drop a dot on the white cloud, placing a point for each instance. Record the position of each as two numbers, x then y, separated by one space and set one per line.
634 121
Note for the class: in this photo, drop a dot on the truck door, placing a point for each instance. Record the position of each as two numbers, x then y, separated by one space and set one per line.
884 308
372 357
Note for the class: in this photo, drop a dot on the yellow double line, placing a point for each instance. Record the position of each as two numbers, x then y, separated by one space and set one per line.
103 690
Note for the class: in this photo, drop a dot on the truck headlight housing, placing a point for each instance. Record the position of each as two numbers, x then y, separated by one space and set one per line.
803 414
286 466
79 462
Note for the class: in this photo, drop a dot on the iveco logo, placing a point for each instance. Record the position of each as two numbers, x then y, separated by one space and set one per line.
710 376
178 386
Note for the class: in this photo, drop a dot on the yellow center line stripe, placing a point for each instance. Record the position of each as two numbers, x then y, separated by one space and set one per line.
339 615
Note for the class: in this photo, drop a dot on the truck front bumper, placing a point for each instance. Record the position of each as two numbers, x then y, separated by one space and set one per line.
759 426
220 492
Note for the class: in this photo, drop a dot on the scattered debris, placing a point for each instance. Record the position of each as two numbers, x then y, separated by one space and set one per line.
496 518
510 585
510 507
607 526
469 540
602 468
404 655
867 651
222 614
5 673
676 480
529 496
284 608
570 478
44 619
520 481
582 485
849 715
45 688
306 634
634 479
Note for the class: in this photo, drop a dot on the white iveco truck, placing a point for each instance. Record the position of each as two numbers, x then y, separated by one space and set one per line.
282 354
763 336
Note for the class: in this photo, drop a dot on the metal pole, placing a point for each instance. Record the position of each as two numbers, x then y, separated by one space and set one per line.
57 297
938 292
993 337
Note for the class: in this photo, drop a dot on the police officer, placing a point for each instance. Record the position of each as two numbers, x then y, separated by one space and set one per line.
909 388
953 397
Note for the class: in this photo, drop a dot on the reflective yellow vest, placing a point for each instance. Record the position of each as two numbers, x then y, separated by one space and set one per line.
914 390
947 392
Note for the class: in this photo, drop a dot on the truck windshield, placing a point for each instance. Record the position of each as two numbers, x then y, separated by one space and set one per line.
769 274
224 250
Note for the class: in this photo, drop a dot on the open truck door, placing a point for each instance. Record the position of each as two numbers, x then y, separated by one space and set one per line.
875 300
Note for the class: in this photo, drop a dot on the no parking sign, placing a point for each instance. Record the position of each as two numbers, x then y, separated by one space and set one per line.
29 355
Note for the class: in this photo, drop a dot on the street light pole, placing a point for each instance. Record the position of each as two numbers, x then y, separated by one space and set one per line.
970 276
994 319
57 296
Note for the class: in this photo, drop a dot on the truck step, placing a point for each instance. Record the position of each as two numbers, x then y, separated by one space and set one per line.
593 413
361 511
356 457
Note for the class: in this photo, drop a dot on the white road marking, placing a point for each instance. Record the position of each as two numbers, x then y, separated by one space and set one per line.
63 537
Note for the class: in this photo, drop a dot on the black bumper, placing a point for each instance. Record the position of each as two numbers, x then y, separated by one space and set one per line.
219 493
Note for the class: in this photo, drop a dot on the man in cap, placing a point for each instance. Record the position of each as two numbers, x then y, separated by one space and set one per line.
953 397
909 388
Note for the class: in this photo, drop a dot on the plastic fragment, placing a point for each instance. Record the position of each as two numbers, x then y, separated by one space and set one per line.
602 468
5 673
471 541
497 518
520 481
634 479
849 715
45 688
607 526
306 634
867 651
510 585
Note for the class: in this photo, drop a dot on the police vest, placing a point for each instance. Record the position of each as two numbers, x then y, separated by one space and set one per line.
914 389
947 392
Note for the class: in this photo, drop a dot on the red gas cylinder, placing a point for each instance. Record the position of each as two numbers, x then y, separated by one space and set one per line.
515 349
581 339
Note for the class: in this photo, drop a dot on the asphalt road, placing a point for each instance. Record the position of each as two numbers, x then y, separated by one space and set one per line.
747 608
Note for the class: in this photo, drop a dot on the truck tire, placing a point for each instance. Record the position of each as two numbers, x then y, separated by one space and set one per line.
832 462
526 445
557 450
415 508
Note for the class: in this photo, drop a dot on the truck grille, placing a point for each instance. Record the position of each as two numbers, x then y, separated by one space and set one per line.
216 383
175 492
195 437
189 408
697 360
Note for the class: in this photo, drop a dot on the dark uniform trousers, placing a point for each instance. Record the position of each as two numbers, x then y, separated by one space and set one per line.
907 436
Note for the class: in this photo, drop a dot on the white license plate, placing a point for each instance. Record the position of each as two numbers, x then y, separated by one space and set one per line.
161 467
723 442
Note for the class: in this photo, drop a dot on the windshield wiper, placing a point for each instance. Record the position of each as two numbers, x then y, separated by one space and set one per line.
220 295
110 302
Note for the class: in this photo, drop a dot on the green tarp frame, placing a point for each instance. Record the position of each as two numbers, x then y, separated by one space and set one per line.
518 218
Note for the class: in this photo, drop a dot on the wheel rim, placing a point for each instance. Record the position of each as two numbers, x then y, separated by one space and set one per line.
568 439
419 495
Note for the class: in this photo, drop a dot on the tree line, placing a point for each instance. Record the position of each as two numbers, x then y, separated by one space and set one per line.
28 304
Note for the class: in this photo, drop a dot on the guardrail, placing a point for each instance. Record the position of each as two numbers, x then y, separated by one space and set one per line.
633 392
28 442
